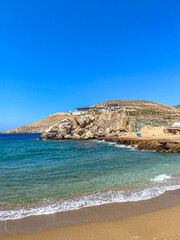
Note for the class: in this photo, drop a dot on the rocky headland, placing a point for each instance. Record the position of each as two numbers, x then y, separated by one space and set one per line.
119 125
156 144
88 126
99 127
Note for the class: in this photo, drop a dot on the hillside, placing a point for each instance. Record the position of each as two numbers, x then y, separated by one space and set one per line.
40 126
136 104
146 113
177 106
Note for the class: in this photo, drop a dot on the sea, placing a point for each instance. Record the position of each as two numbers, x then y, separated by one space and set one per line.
44 177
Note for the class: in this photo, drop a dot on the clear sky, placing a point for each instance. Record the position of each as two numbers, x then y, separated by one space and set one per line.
58 55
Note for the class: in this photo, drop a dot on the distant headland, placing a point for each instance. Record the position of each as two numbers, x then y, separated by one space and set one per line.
115 120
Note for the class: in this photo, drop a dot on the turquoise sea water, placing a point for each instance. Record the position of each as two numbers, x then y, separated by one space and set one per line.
41 177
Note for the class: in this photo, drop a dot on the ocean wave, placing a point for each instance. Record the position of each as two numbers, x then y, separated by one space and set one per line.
117 145
125 146
161 177
99 141
54 205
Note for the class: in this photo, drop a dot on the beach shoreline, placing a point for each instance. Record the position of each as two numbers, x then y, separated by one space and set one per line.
88 215
156 218
61 221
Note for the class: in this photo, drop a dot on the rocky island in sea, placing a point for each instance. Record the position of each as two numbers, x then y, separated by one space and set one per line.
116 121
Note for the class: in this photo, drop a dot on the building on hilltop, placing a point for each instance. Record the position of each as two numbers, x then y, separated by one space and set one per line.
109 107
80 111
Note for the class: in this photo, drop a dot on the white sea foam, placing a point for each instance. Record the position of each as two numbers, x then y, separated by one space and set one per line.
54 205
99 141
161 177
125 146
117 145
121 146
111 143
156 187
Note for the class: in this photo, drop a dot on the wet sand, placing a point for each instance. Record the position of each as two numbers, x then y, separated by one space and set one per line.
163 224
157 218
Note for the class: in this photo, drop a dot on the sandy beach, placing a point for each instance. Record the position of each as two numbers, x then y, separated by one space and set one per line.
163 224
157 218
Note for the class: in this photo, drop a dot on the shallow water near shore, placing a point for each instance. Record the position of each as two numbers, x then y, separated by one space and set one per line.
43 177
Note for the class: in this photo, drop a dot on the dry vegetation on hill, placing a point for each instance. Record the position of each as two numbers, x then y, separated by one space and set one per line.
40 126
137 115
137 104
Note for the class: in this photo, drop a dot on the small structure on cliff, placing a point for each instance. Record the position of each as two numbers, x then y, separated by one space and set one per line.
80 111
172 130
110 107
176 124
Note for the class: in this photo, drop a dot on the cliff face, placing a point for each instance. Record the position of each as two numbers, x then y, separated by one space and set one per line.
112 126
131 116
87 126
119 125
105 124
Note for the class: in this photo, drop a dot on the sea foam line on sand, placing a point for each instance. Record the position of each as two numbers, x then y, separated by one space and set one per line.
54 205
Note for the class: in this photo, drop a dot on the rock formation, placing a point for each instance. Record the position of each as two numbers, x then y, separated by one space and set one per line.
80 127
118 125
131 116
105 124
85 127
154 145
114 127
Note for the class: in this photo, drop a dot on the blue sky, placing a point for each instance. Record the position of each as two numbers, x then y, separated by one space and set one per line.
58 55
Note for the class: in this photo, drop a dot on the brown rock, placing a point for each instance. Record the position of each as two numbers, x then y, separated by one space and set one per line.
83 121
